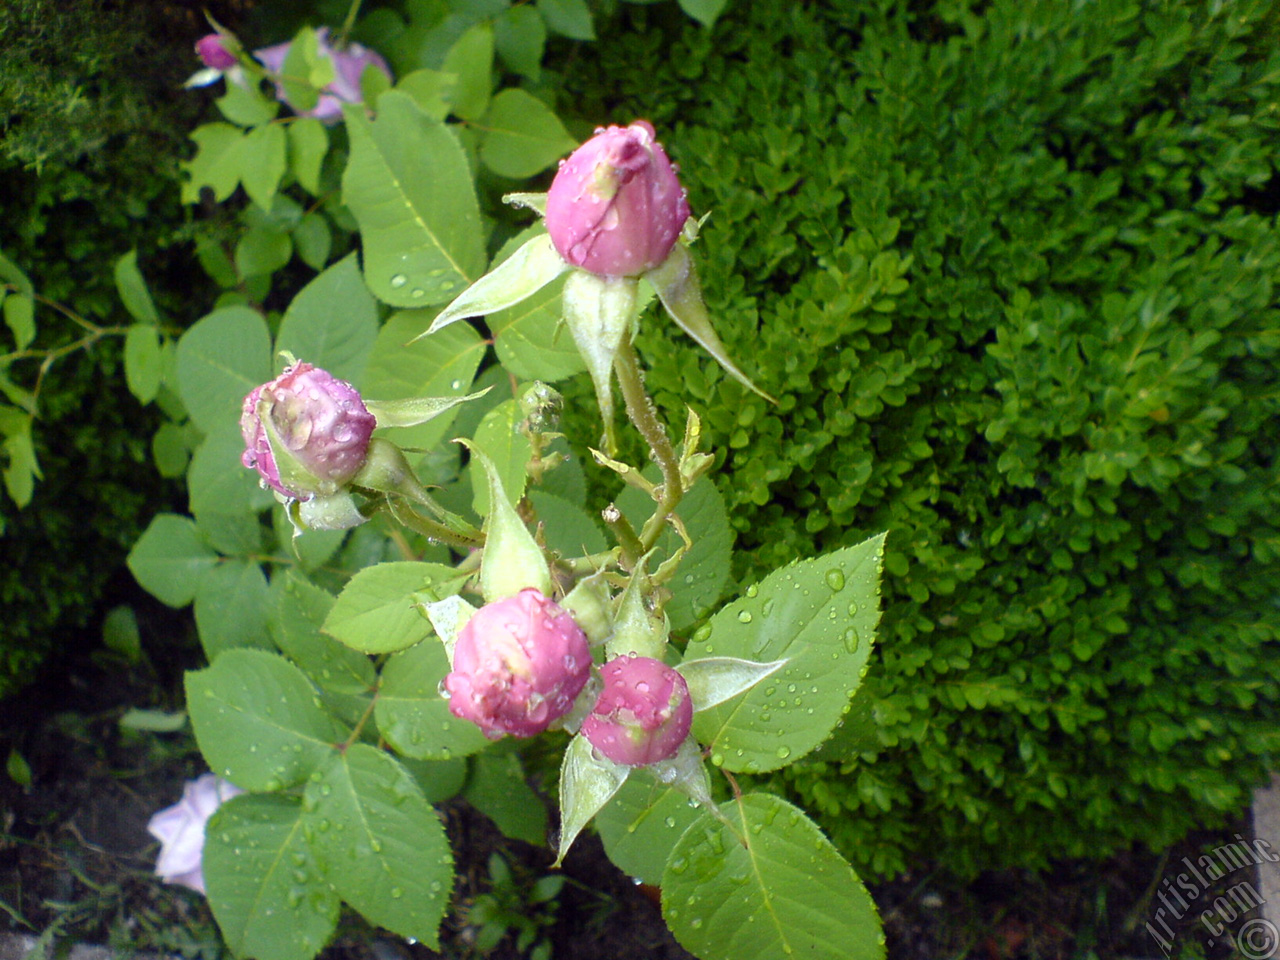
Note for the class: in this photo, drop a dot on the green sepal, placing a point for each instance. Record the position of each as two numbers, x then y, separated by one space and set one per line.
335 512
415 410
521 275
713 680
600 311
512 559
637 631
589 602
587 782
676 283
537 202
448 617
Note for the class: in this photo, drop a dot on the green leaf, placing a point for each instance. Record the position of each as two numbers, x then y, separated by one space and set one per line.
531 339
262 251
413 716
308 144
524 136
499 790
520 36
133 291
587 781
231 608
312 240
704 11
417 410
268 894
375 612
299 616
154 721
819 615
641 825
22 469
408 184
216 165
333 322
120 633
246 105
386 853
507 448
170 559
303 72
20 317
440 780
470 59
257 720
570 18
431 90
569 529
142 362
220 360
169 451
218 483
232 534
441 365
705 568
772 886
265 157
313 549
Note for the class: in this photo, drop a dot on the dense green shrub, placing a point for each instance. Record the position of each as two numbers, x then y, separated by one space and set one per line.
1008 268
93 126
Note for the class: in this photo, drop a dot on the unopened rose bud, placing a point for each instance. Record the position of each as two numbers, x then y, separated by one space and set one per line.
349 65
643 714
322 426
616 207
180 830
518 665
213 53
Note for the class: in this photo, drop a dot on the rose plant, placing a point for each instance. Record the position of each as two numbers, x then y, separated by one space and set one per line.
407 571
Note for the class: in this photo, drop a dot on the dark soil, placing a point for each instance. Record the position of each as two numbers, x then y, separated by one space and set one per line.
76 860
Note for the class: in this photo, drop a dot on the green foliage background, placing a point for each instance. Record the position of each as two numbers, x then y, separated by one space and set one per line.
1008 268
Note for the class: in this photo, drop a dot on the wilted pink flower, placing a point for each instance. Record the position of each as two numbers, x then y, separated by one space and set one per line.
212 51
180 830
616 207
643 714
349 65
323 424
517 666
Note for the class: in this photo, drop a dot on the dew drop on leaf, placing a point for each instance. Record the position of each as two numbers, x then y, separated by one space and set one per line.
835 579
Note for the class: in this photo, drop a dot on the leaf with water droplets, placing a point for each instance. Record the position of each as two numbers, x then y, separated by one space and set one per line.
713 680
375 612
641 824
766 885
587 781
412 713
266 890
821 618
385 838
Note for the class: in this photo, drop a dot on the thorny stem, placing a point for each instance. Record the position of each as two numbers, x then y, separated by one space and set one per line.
640 411
625 534
433 530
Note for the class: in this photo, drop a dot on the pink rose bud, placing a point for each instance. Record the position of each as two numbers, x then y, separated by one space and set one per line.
616 207
518 665
180 830
212 51
322 423
643 714
349 65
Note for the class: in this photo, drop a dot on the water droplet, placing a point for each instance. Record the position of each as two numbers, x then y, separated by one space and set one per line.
752 590
717 759
851 640
399 280
696 922
835 579
670 822
783 752
396 893
768 607
702 633
679 865
744 616
853 609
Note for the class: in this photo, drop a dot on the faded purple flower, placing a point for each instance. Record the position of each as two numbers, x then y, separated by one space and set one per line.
517 666
322 424
643 714
180 830
349 65
616 207
213 53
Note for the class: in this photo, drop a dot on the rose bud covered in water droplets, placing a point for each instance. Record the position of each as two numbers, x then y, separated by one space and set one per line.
616 207
517 666
322 426
643 714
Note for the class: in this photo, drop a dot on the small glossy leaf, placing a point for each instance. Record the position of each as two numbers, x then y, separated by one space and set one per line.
375 612
308 144
169 451
570 18
216 164
170 559
385 852
257 720
772 886
507 449
265 157
220 360
412 714
520 35
20 318
521 275
120 633
470 60
245 105
261 251
524 136
231 608
267 892
142 362
312 240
